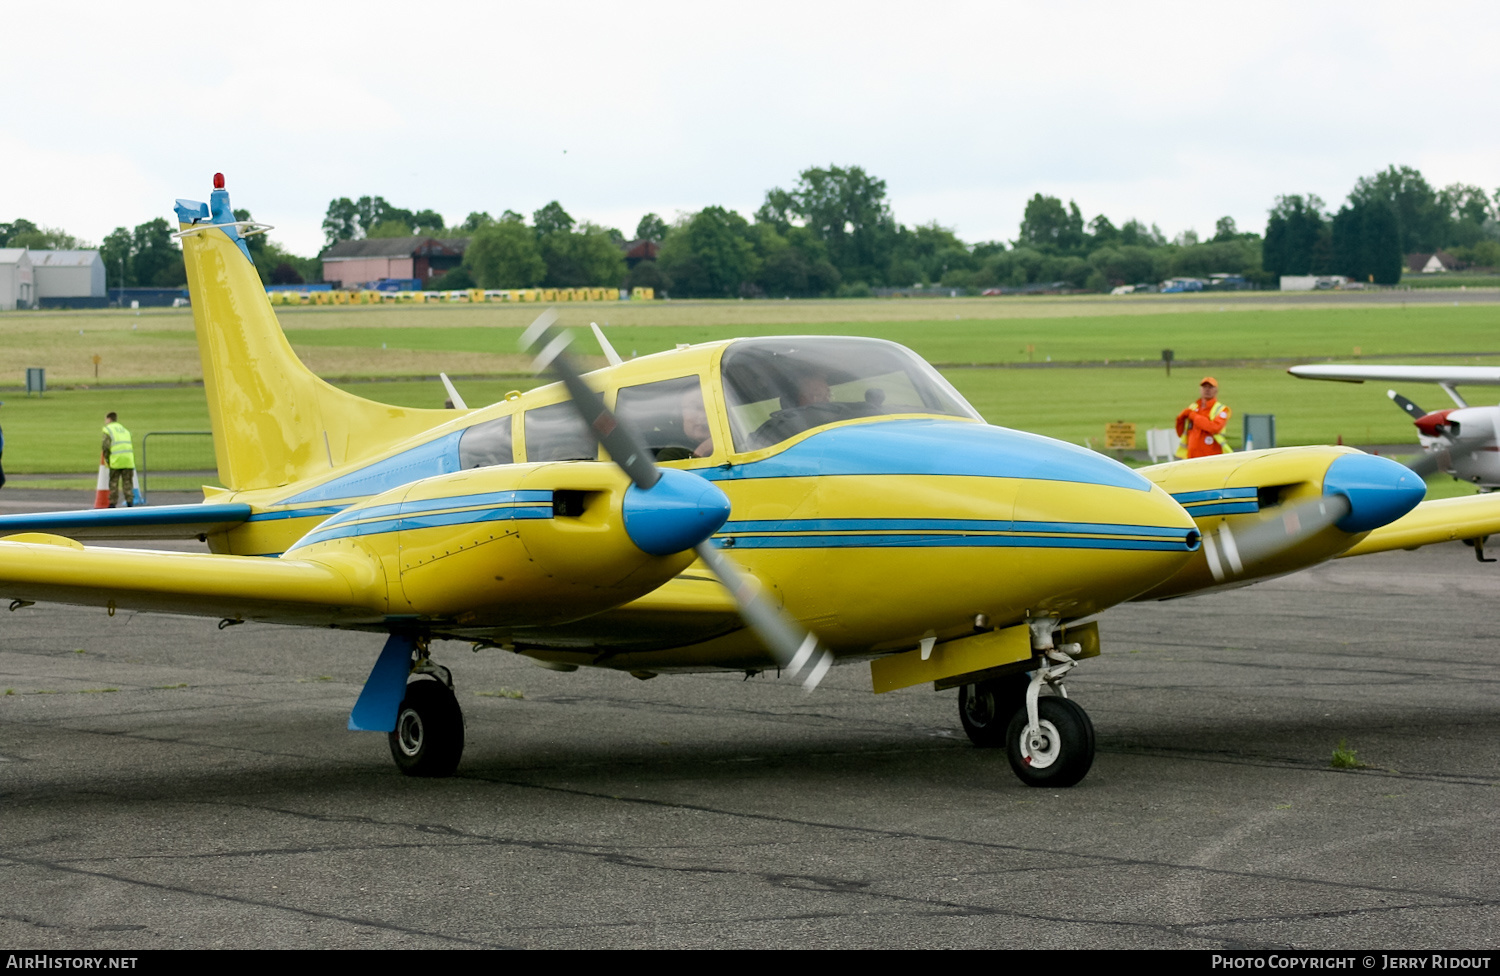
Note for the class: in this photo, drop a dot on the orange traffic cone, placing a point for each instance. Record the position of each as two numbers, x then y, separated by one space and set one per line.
101 487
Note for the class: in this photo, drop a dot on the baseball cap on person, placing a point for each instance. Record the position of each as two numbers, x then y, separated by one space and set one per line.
1208 381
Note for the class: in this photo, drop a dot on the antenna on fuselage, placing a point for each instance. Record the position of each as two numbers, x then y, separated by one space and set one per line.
609 350
453 397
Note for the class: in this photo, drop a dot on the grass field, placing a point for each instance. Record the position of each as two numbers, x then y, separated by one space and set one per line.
1248 343
158 345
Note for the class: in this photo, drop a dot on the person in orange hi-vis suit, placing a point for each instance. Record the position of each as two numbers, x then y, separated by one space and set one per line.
1200 426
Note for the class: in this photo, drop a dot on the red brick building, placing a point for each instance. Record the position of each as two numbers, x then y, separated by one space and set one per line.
351 263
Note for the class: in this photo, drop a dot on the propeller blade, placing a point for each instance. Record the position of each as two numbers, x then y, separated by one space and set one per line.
622 445
1412 410
797 651
1431 462
1229 553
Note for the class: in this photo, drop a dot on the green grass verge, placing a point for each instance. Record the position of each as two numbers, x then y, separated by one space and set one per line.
61 432
1237 332
420 340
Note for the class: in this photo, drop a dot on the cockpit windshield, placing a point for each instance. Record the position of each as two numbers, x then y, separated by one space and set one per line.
777 388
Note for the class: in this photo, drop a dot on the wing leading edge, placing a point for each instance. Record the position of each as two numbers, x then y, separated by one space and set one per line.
141 522
36 567
1457 375
1443 520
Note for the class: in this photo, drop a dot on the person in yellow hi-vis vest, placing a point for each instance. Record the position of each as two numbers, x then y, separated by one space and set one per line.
119 454
1200 427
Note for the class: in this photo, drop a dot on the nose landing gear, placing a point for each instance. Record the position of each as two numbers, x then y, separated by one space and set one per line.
1048 739
1057 750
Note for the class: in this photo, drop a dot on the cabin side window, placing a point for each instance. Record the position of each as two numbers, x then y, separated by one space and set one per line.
485 444
669 417
557 433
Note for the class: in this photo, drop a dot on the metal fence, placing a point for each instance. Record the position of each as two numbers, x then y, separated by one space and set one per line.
176 460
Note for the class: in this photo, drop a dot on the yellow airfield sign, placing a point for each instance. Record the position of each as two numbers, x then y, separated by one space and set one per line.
1119 436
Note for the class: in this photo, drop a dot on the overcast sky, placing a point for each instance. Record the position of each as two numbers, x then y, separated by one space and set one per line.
1176 114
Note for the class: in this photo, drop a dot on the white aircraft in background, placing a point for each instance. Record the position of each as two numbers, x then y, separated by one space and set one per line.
1462 441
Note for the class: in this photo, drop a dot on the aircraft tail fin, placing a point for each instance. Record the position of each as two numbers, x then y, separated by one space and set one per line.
274 421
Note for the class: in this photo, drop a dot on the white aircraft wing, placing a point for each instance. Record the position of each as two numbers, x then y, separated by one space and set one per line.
1452 375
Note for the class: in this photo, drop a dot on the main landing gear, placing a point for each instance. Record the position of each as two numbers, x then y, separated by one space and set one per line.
429 736
1048 739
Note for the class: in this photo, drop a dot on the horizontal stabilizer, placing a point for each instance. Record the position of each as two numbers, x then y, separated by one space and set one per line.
140 522
1444 520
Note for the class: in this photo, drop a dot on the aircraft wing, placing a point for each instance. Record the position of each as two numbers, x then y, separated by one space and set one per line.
1444 520
140 522
1456 375
36 567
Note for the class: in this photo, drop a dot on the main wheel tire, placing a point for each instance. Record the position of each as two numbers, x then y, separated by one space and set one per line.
429 735
1062 751
985 708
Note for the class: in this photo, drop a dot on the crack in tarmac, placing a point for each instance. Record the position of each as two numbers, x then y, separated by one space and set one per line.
1413 899
63 867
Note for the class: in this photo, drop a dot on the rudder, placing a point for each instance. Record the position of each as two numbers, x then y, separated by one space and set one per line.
274 421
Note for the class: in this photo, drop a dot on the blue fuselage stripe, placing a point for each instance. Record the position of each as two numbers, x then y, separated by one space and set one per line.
494 506
1213 495
486 499
918 540
403 523
944 525
948 533
1222 508
1219 501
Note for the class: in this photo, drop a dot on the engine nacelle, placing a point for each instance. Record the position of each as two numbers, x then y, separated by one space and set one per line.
521 544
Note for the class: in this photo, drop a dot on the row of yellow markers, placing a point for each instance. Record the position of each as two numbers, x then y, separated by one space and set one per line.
545 295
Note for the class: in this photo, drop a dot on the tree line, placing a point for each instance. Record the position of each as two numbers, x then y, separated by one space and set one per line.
832 233
1387 216
149 256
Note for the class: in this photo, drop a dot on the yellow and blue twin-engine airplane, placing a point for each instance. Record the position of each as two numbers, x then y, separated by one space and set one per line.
772 504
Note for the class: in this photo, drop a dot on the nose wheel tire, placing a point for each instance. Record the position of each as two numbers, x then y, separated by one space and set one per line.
1059 752
429 735
985 708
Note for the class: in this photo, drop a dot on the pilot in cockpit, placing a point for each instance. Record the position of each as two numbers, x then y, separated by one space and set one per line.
813 405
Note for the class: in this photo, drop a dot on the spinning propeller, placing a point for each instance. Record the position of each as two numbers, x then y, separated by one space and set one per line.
1230 552
1454 446
796 650
1360 492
